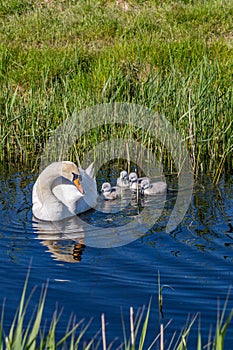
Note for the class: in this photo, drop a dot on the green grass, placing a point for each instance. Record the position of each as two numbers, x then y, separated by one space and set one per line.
173 57
33 335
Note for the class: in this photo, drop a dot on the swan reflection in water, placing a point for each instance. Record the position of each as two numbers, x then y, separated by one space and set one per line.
64 239
111 224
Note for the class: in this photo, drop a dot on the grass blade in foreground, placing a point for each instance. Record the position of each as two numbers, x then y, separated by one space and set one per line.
32 336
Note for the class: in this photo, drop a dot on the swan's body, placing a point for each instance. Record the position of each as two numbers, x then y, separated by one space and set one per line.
56 194
109 192
154 188
123 179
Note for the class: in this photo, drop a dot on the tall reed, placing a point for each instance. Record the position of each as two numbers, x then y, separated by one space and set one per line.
175 58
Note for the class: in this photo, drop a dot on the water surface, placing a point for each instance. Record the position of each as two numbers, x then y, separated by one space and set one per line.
195 260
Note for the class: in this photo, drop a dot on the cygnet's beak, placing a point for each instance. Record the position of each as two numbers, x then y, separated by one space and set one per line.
77 181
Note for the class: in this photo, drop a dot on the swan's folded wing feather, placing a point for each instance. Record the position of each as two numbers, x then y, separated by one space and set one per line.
90 171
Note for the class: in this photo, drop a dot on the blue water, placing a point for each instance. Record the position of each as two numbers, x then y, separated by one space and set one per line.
194 261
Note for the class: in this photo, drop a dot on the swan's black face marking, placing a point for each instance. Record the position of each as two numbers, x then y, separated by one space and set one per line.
77 178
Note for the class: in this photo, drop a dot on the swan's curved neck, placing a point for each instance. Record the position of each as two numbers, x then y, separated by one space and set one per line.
45 181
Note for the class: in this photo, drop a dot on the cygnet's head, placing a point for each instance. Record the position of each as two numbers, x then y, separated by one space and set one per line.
106 187
133 177
145 184
123 175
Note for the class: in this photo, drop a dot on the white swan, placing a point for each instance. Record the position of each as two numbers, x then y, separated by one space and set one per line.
154 188
109 192
123 179
63 190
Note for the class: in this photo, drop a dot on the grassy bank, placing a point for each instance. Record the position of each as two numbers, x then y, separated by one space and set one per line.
175 57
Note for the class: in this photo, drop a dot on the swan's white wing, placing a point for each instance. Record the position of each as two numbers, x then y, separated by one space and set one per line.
90 170
67 193
49 208
89 200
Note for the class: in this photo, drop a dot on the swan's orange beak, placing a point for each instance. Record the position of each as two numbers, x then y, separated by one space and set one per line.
77 182
78 185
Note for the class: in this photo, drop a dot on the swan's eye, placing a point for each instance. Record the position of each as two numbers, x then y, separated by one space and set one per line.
77 177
